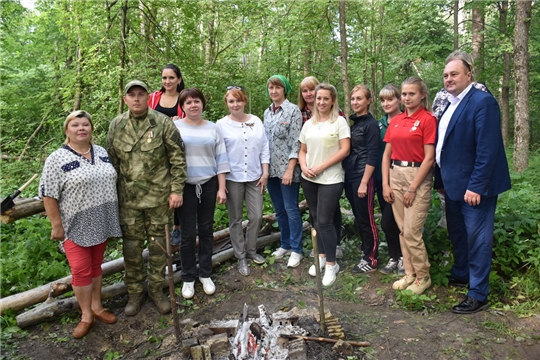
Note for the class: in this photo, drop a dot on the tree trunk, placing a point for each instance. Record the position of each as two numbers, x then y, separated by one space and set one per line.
478 38
344 59
456 24
122 56
504 98
78 75
521 68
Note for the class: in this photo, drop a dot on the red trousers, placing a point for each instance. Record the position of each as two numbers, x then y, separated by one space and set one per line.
85 262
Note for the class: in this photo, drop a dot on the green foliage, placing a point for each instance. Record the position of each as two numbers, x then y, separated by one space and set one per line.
112 355
516 244
33 258
412 301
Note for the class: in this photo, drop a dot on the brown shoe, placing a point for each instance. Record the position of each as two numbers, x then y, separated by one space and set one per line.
105 317
82 329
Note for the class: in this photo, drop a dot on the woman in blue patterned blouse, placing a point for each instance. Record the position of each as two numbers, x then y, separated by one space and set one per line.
282 123
78 187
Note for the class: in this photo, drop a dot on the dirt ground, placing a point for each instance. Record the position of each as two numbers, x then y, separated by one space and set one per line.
366 306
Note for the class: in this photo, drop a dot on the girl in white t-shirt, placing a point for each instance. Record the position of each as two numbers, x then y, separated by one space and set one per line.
324 143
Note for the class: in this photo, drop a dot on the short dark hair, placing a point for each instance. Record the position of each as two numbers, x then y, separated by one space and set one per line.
193 93
178 73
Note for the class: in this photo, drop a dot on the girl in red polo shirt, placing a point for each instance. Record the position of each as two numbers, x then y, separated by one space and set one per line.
407 174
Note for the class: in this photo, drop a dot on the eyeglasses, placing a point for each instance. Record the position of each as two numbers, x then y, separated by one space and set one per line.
230 87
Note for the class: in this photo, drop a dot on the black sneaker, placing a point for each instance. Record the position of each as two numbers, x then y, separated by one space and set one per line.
400 267
390 267
362 268
176 237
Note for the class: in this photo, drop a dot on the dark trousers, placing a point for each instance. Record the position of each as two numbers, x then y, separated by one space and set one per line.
338 218
322 201
363 209
388 224
471 231
197 218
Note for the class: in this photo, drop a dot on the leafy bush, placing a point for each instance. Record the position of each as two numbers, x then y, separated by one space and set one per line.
516 244
29 257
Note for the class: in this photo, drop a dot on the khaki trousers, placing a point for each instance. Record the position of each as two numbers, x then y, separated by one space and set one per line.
411 220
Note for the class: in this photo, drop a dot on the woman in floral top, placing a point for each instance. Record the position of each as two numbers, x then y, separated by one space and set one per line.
282 123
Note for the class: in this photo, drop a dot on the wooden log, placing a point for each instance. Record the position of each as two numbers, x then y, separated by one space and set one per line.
21 210
56 308
34 296
31 297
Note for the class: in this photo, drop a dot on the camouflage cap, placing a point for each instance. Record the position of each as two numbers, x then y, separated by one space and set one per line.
135 83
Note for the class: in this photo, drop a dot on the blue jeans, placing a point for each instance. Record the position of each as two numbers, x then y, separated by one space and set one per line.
285 201
471 231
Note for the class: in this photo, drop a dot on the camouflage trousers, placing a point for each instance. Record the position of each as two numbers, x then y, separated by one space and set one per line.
138 225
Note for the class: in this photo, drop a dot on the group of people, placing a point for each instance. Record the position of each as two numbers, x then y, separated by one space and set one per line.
163 161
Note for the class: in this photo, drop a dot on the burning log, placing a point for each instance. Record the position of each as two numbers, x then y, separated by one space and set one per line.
56 308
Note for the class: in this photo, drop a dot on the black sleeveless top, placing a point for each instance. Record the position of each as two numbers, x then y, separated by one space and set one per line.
170 112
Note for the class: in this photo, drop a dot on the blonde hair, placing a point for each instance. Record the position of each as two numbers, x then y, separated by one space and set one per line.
310 82
415 80
77 114
334 111
365 90
390 91
465 58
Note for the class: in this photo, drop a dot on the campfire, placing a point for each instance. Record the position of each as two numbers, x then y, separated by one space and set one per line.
260 338
270 337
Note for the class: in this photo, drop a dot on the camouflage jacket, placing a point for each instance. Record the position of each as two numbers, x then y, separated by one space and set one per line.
148 157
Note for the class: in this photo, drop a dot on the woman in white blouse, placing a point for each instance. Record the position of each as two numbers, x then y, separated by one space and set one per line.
247 149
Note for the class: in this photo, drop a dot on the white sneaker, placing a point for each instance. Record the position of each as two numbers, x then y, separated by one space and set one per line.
188 290
295 259
281 252
208 285
330 274
322 263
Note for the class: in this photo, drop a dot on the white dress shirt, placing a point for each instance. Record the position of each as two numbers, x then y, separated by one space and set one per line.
247 148
445 120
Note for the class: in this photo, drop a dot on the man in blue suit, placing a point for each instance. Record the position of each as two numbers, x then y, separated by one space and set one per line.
474 171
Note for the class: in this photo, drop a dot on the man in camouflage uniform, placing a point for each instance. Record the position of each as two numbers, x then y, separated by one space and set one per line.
147 152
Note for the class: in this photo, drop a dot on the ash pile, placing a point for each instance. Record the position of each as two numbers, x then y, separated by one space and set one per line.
276 336
261 338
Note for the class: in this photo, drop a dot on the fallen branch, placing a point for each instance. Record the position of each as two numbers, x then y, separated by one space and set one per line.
54 308
327 340
36 131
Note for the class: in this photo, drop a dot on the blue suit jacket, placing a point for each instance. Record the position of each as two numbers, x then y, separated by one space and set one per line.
472 155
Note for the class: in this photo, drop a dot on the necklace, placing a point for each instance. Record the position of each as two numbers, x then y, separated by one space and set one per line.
83 153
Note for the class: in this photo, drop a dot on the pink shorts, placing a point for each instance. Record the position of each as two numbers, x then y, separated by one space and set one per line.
85 262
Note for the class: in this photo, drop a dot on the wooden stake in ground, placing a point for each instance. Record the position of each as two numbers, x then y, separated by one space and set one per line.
171 285
319 280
